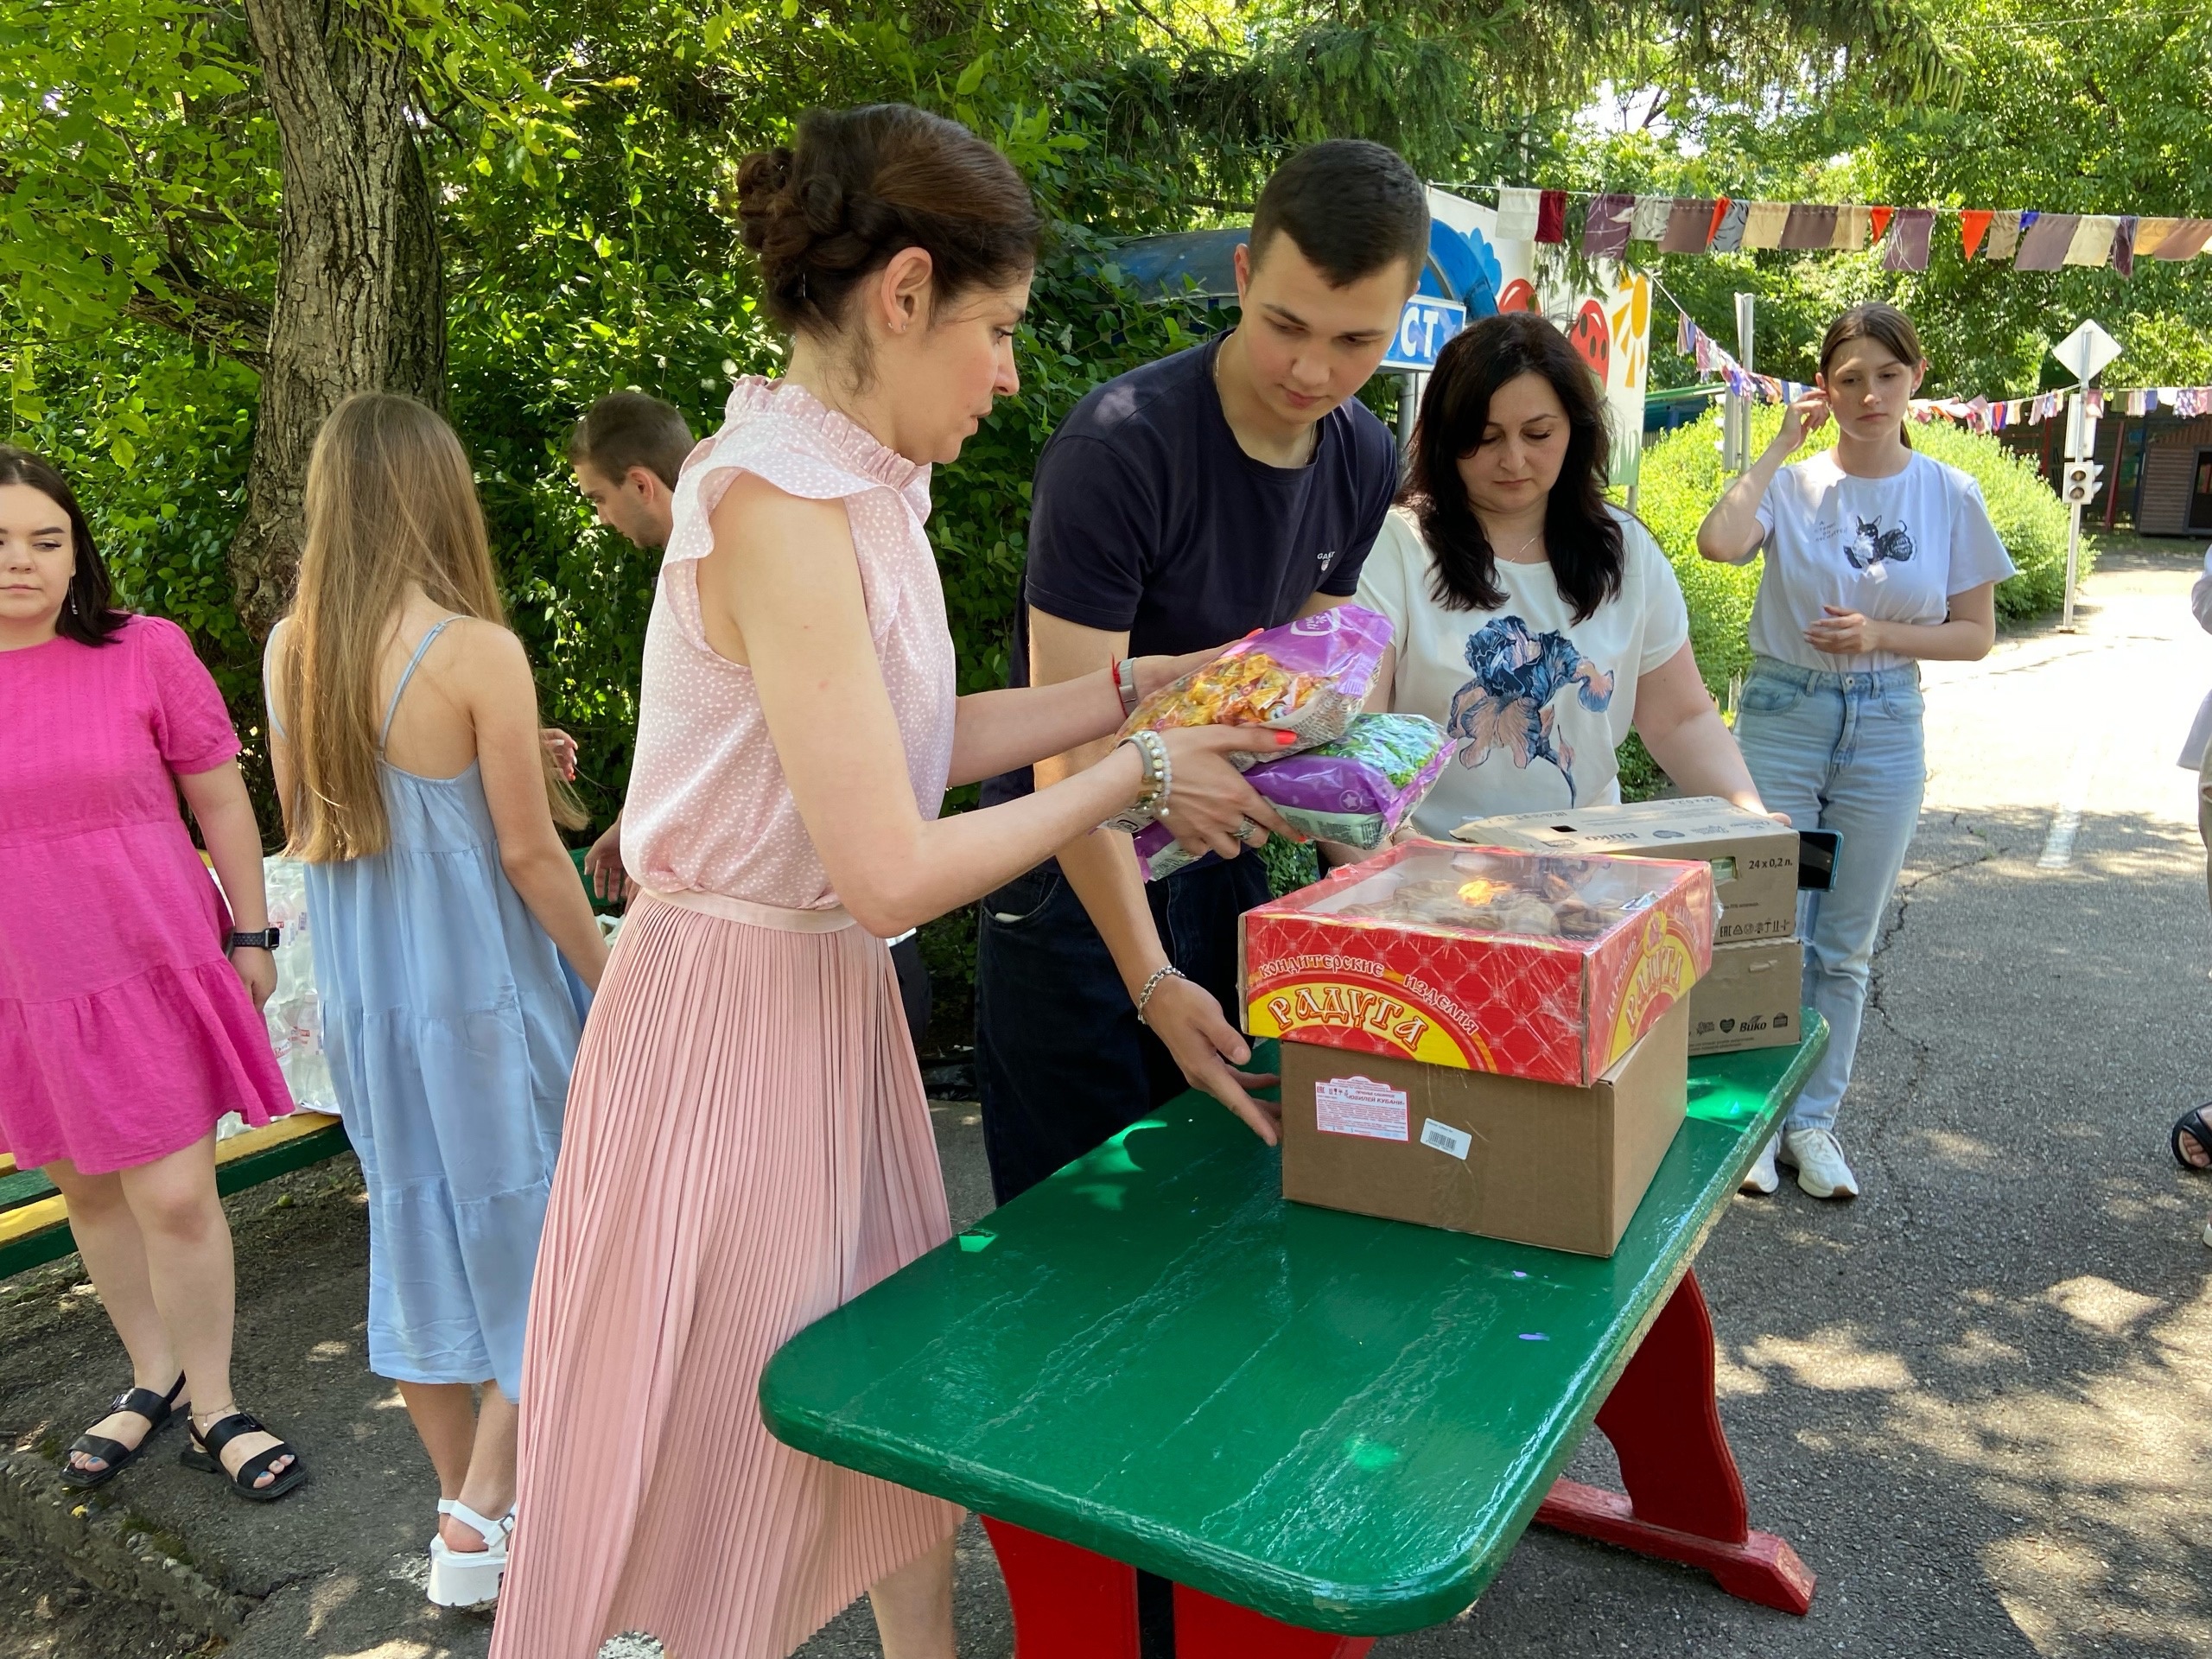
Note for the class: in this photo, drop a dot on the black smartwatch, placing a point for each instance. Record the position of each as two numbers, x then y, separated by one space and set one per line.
264 940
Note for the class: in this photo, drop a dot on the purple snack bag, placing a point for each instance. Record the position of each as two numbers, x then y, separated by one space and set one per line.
1307 677
1356 790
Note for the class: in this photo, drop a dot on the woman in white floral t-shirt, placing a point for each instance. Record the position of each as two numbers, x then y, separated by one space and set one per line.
1536 621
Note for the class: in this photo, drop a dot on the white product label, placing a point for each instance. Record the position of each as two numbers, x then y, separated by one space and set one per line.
1360 1106
1444 1138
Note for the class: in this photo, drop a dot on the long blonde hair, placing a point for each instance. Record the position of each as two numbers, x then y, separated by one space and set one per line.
391 500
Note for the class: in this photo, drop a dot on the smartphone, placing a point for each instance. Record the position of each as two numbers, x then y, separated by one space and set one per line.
1816 851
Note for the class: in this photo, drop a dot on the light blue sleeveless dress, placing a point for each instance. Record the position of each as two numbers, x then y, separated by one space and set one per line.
451 1023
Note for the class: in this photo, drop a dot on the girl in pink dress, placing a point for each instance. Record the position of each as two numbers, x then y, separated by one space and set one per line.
129 997
747 1146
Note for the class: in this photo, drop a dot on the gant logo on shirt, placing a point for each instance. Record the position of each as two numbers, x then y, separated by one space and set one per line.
1327 559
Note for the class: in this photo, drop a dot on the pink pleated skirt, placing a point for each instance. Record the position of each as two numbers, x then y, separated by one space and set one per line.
747 1147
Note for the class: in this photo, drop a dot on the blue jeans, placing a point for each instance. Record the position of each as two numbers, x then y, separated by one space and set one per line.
1061 1061
1839 752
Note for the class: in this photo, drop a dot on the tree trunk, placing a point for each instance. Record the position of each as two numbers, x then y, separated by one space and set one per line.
360 289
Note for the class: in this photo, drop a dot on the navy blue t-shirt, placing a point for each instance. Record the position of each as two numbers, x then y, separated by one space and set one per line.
1148 516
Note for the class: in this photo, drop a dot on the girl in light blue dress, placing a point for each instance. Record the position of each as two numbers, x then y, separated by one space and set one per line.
453 944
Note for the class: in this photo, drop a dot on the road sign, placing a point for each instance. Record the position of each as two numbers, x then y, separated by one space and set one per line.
1423 327
2081 481
2086 351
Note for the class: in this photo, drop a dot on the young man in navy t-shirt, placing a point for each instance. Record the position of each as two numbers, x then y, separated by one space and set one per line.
1231 487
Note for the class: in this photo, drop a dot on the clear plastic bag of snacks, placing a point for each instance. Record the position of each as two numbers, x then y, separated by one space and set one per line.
1307 677
1356 790
1526 894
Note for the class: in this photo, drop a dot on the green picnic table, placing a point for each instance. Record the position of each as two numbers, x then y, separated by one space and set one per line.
1202 1422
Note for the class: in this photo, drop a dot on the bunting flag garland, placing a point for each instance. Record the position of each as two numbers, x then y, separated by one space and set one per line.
1977 414
2029 239
1650 222
1551 216
1688 226
1908 244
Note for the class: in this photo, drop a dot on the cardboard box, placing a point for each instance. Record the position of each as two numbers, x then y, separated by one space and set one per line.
1754 858
1370 960
1750 998
1535 1162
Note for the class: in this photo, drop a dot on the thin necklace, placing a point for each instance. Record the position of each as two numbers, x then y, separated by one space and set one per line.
1514 557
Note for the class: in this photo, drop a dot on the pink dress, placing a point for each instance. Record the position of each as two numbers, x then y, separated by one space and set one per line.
747 1146
123 1032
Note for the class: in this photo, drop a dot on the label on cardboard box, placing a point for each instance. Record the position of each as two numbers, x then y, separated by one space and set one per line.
1445 1139
1749 998
1360 1106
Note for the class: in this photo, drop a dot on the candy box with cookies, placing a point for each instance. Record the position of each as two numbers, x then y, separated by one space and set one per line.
1542 966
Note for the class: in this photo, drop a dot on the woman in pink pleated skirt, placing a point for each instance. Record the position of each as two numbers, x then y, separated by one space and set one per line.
747 1146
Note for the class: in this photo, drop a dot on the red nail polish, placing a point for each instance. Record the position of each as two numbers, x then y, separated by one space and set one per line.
1283 738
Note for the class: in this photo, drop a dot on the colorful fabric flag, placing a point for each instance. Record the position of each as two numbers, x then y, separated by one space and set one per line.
1551 216
2134 404
2092 240
1852 226
2092 403
2186 240
1811 224
1648 222
1684 332
2004 235
2123 245
1909 234
1688 222
1972 222
2188 401
1764 225
1728 234
1719 213
1881 220
1516 213
2043 244
1604 226
2150 232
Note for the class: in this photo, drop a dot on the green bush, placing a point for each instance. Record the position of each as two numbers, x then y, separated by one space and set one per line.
1682 479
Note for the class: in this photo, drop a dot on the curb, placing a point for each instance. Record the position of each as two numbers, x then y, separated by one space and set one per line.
109 1546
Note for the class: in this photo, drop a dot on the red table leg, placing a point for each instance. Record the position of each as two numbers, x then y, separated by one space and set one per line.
1070 1602
1685 1500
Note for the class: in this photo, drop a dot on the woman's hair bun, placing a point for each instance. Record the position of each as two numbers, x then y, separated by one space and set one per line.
859 185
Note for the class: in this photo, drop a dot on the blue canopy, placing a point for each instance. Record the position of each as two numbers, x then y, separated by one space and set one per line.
1200 263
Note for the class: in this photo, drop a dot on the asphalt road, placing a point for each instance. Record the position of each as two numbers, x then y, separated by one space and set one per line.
1979 1400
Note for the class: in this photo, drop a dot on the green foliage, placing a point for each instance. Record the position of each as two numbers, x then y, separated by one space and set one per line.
1680 480
1682 477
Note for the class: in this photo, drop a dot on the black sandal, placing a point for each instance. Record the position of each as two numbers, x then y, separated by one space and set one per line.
207 1452
2192 1124
156 1409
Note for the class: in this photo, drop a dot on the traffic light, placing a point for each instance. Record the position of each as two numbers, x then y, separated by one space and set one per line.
2080 482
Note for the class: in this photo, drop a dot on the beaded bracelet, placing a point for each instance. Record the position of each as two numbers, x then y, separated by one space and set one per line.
1158 771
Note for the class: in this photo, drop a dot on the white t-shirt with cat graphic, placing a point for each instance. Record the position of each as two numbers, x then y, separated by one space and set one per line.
1893 549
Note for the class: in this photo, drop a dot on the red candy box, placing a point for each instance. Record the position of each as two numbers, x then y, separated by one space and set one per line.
1537 965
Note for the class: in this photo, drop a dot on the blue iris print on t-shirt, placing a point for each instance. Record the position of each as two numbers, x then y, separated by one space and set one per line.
1507 705
1870 545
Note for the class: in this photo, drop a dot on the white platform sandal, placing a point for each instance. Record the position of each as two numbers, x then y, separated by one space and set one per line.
469 1577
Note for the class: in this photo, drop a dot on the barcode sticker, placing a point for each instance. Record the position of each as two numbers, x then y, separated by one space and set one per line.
1445 1139
1360 1106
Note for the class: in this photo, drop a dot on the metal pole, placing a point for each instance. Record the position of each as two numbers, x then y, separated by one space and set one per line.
1736 414
2076 414
2073 564
1409 390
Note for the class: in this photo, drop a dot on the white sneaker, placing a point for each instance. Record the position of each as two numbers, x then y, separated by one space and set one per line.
470 1578
1821 1172
1761 1177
